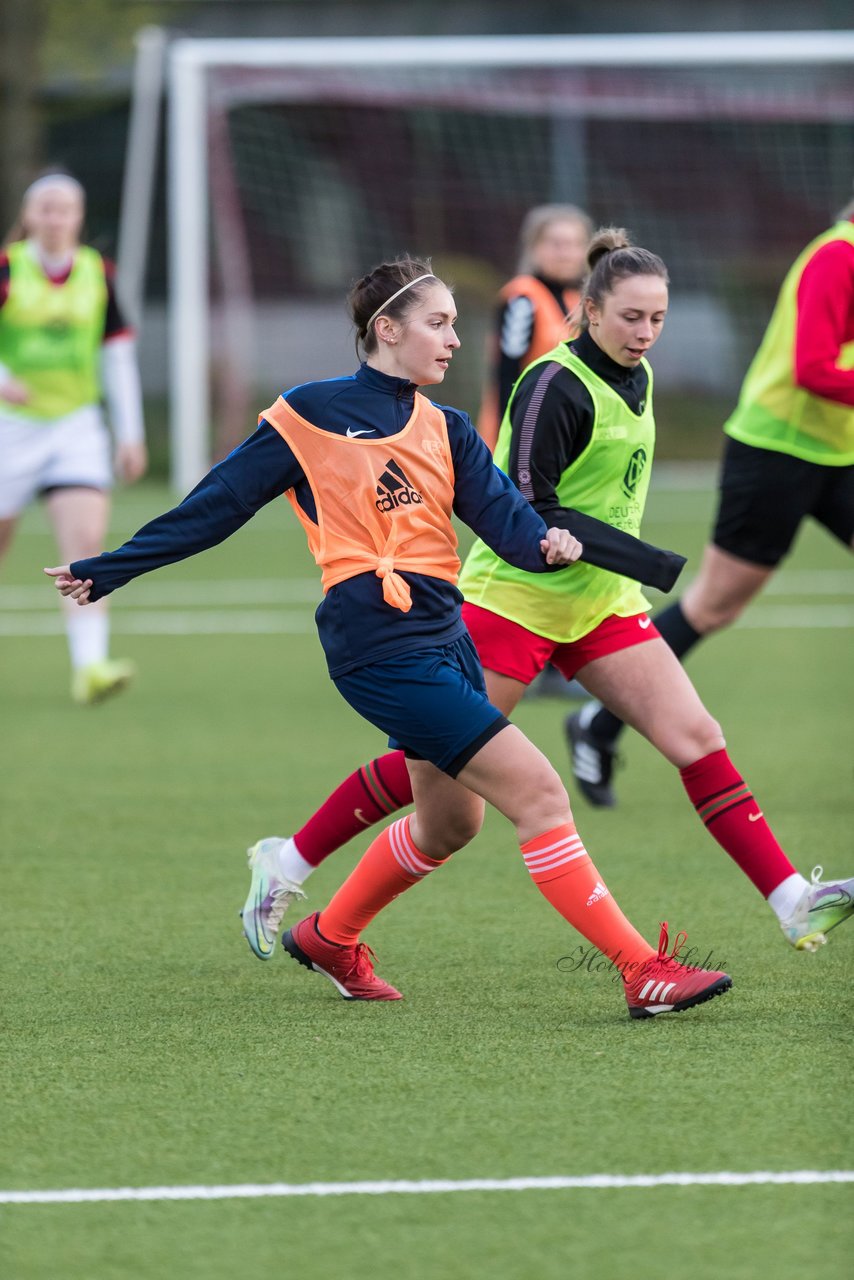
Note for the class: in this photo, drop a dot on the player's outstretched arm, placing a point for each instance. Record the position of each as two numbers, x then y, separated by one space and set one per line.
255 473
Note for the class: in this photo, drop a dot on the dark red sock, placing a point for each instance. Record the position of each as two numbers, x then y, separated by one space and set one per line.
373 792
726 805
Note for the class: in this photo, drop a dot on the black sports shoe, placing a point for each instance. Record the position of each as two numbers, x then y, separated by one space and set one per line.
592 760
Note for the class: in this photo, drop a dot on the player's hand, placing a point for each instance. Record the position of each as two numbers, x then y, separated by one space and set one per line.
67 585
559 547
131 462
13 391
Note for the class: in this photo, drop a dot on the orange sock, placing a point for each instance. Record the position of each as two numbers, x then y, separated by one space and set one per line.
563 872
390 865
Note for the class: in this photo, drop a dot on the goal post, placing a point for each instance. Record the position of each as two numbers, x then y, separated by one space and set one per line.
293 144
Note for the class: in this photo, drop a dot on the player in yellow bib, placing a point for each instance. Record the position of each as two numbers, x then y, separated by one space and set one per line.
63 347
789 456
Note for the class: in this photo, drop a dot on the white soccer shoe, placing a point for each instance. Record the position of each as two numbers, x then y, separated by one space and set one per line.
821 907
270 895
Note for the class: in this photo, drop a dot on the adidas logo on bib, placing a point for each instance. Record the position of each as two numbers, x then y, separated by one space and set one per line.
394 489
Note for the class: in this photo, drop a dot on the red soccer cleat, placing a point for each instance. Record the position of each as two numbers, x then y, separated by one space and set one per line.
663 985
350 969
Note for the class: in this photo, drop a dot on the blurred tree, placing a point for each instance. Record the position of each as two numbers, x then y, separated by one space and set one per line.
89 44
56 47
22 28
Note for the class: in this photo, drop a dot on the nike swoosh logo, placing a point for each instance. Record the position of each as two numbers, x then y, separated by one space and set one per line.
357 813
754 817
643 623
351 434
264 943
842 899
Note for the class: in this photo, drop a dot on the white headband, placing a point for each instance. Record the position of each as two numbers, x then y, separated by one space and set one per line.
379 310
52 180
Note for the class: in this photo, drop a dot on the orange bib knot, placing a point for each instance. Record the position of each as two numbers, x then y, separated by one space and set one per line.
395 589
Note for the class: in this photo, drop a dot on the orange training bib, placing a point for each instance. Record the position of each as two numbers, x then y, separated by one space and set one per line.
382 505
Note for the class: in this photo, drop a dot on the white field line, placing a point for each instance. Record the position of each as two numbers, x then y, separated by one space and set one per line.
31 610
148 594
259 622
811 582
131 510
675 476
797 617
199 622
592 1182
284 591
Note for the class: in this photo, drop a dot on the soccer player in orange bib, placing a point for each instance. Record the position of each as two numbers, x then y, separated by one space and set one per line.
374 471
538 306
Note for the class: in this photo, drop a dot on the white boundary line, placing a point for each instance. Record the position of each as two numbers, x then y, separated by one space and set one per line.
595 1181
200 622
220 592
225 592
263 622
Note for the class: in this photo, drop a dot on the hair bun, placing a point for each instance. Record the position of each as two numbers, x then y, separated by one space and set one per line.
607 240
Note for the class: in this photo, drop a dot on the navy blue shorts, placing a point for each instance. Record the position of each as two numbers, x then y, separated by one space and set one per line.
431 702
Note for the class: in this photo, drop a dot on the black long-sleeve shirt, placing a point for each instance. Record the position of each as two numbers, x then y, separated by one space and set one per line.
556 433
514 323
559 430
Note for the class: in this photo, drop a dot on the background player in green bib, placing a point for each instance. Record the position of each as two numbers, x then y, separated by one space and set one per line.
63 346
789 455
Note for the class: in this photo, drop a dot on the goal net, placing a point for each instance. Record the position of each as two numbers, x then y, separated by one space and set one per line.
297 165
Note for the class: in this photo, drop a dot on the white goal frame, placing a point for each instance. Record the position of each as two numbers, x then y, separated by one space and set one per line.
188 194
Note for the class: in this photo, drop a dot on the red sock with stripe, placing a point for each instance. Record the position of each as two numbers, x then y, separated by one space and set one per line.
371 793
729 811
564 873
391 865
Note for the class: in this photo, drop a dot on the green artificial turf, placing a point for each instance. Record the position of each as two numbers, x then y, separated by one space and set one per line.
144 1046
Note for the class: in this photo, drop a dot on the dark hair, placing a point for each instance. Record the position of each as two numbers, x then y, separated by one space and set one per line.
374 290
612 257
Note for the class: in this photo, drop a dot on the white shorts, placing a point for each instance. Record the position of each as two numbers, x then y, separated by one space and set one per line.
61 454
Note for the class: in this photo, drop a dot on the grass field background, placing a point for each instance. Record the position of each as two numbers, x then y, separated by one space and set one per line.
144 1046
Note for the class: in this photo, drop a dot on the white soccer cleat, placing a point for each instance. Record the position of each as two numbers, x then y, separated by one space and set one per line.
821 907
270 895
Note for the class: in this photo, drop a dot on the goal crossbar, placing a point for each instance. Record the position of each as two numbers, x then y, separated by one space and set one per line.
666 49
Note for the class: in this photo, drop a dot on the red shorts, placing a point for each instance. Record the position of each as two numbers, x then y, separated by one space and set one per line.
511 650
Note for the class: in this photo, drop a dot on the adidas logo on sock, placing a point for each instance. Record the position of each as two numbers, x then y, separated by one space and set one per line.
598 893
394 489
